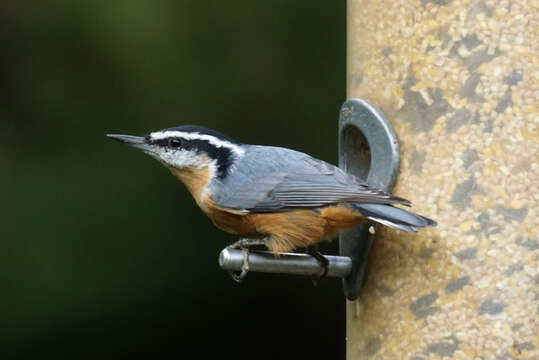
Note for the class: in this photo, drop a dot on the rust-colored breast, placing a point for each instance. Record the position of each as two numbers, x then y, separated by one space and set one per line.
231 221
284 231
195 180
301 228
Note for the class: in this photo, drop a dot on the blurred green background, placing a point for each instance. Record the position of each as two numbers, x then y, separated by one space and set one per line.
102 250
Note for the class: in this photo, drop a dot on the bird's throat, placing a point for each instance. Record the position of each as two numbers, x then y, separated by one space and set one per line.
195 179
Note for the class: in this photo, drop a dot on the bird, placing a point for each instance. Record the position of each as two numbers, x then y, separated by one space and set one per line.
272 196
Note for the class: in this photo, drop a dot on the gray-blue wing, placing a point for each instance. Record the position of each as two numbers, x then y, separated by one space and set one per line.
271 179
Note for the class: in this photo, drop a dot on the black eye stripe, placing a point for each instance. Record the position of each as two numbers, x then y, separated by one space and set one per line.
169 142
222 154
175 142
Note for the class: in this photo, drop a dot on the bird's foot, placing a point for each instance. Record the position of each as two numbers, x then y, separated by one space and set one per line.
238 277
244 245
323 261
247 243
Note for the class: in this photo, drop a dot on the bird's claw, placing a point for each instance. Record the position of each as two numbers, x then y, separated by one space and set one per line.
238 277
245 243
324 264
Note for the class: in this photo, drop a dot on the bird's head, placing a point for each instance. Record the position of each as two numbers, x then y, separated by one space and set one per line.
188 148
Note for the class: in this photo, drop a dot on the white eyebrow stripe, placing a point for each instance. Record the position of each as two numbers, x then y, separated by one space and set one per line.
197 136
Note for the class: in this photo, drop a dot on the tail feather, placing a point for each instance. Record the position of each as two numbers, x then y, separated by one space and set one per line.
394 217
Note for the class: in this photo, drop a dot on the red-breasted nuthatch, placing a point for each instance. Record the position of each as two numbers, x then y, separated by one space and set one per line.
274 196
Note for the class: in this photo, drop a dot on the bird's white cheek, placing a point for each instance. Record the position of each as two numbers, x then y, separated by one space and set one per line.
179 158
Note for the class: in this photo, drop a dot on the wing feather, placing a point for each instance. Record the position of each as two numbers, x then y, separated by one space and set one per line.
273 179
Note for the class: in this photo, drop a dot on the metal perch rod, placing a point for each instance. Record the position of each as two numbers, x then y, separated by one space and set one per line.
284 263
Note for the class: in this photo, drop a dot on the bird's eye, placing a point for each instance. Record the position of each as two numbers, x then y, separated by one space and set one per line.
175 143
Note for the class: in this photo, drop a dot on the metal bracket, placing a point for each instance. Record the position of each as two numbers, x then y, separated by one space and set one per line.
284 263
368 148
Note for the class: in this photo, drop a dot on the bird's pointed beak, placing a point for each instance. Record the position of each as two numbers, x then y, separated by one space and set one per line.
135 141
